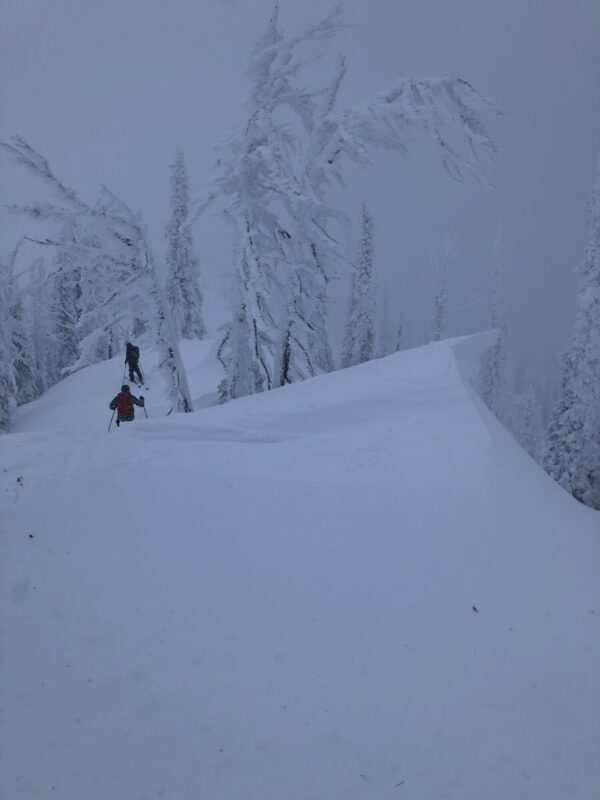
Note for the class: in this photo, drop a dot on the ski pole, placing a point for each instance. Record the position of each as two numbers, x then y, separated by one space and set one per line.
111 419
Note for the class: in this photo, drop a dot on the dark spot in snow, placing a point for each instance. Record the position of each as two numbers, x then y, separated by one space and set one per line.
399 784
31 535
475 609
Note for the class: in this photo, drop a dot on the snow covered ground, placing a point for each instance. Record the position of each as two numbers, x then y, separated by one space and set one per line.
354 587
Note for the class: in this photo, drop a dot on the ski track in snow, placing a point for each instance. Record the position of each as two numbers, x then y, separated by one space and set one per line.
354 587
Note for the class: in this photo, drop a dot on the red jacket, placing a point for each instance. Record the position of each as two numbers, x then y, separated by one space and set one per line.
124 403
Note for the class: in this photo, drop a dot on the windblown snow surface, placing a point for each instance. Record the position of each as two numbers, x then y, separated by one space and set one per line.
354 587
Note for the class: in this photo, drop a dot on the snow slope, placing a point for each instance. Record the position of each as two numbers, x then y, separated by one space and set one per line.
81 400
354 587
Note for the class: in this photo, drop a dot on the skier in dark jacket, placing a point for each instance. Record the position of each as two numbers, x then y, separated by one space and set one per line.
132 357
124 404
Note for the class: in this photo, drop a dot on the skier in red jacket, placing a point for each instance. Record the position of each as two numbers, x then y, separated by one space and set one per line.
124 404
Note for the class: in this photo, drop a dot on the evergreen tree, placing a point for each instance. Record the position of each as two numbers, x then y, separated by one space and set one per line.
572 445
66 305
183 274
250 174
23 357
7 380
387 336
41 327
359 338
400 334
441 263
495 364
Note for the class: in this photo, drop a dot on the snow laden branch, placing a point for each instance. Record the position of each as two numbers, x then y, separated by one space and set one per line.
273 179
117 279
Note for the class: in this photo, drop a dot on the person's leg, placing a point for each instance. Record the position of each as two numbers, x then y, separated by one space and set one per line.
139 373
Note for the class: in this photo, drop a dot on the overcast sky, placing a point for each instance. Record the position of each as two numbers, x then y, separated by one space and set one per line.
106 89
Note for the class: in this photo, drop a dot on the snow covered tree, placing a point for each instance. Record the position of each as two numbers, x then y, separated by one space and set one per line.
183 273
359 339
276 173
244 377
249 176
495 363
7 379
399 343
66 303
441 263
572 445
389 335
120 281
383 335
41 326
22 349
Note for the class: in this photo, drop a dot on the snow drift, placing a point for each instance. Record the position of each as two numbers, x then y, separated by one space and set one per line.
357 586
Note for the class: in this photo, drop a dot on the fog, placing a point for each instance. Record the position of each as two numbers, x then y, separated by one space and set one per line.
107 90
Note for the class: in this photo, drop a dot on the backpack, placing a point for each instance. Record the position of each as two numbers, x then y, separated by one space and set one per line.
124 403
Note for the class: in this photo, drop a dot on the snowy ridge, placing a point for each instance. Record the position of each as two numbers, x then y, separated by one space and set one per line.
357 586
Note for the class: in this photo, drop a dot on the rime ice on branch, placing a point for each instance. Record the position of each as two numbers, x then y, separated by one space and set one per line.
274 176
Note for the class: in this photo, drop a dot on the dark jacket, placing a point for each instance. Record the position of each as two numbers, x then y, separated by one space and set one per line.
132 354
123 403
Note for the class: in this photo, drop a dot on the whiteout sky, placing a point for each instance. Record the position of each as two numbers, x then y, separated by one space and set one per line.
107 90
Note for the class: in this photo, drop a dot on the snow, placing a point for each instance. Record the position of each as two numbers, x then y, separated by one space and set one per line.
357 586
